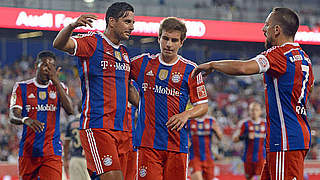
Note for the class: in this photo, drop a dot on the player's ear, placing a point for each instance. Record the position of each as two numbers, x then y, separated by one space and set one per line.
112 20
159 37
277 29
181 43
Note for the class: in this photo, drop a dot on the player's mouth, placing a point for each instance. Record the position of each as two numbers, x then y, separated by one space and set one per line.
167 50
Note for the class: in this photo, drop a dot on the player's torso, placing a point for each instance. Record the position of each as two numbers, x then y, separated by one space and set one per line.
201 138
42 104
104 81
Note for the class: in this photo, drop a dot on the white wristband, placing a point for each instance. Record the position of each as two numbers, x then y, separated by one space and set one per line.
23 119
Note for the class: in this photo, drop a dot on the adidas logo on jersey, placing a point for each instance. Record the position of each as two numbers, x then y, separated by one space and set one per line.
31 96
150 73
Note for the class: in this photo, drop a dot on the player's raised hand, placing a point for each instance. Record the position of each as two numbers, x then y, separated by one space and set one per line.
53 73
177 121
206 68
34 124
84 20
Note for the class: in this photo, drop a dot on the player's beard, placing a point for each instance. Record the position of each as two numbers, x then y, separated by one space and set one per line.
268 43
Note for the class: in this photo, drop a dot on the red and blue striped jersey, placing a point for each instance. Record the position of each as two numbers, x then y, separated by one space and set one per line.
164 91
255 134
200 133
104 72
288 78
40 102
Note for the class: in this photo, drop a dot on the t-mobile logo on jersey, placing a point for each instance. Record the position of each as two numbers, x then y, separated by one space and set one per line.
117 65
41 107
161 90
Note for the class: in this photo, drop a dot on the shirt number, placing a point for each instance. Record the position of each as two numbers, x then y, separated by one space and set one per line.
305 69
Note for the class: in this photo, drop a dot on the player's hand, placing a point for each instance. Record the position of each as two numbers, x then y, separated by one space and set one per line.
84 20
206 68
177 121
53 73
34 124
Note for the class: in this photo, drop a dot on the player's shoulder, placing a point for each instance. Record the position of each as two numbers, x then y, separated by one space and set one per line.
24 82
144 55
243 121
188 62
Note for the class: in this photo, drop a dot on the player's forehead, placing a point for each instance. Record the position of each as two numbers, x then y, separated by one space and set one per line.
171 33
128 15
269 18
47 60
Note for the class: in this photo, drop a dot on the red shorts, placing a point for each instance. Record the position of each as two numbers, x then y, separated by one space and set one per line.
105 150
284 165
159 164
48 167
253 169
131 165
206 167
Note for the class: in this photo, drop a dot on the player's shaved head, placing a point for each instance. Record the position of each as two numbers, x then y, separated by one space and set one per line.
118 10
45 54
287 19
171 24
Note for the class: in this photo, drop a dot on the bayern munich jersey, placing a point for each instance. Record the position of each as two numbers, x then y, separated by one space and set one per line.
40 102
164 91
104 72
255 133
72 134
201 132
288 78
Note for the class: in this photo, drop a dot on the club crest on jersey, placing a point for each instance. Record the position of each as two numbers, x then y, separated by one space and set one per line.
52 95
125 57
200 126
143 171
163 74
262 128
117 54
176 77
42 95
207 126
107 160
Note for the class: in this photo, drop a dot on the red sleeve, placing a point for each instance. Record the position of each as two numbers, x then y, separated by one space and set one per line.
85 44
242 129
197 89
277 61
16 98
135 66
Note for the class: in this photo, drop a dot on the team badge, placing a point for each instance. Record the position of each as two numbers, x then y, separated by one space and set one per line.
207 126
250 128
143 171
163 74
52 94
13 99
200 126
201 91
176 77
262 128
117 55
193 126
257 128
125 57
107 160
42 95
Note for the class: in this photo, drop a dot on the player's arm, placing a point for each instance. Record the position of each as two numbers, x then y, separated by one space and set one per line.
16 118
231 67
66 145
64 98
236 136
239 135
63 40
217 131
133 95
179 120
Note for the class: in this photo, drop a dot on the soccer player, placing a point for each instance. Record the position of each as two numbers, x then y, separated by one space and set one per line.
288 82
252 130
104 68
165 85
73 161
202 131
35 104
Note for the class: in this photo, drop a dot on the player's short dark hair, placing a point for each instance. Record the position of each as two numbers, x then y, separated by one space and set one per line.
44 54
287 19
171 24
118 10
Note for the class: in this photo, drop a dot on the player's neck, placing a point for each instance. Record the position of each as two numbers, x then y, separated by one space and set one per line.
41 82
282 40
112 37
169 59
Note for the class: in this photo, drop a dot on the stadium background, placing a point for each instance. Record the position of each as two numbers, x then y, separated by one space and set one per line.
21 39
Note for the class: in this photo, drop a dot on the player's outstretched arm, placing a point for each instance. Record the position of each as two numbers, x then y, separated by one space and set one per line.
179 120
16 118
231 67
63 40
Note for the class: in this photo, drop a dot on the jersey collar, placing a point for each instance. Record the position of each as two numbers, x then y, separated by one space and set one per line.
166 64
40 85
108 40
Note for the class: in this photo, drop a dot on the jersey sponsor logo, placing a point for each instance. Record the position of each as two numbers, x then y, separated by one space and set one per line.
163 74
31 96
143 171
150 73
41 107
52 95
161 90
42 95
176 77
201 91
118 66
107 160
